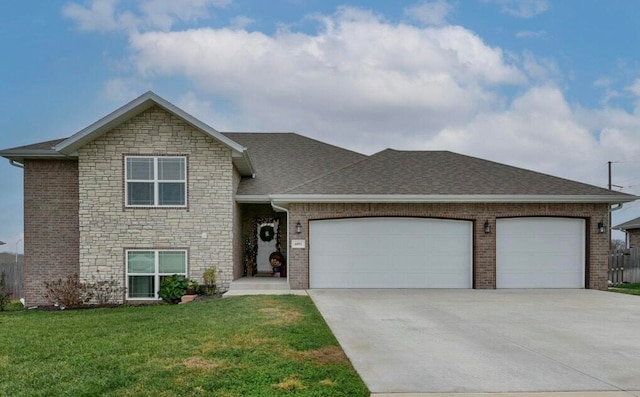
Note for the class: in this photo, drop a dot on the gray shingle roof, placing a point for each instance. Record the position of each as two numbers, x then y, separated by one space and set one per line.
291 164
628 225
40 150
393 172
284 160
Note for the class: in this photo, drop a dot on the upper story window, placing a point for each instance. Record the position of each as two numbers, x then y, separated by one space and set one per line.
156 181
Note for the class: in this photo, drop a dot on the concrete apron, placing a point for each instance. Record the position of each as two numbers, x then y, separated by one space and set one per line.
541 394
509 342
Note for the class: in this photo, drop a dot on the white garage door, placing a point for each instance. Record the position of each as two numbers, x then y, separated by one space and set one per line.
390 253
540 253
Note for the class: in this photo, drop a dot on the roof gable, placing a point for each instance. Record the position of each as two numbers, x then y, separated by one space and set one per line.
66 148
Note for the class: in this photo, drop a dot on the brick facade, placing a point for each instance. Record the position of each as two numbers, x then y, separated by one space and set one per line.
634 238
51 231
484 252
205 228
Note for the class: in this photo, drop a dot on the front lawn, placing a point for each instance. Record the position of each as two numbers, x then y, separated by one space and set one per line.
242 346
632 289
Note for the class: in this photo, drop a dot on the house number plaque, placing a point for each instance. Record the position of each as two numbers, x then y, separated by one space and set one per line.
297 244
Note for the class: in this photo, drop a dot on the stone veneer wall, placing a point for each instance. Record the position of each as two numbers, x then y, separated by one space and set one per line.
484 244
204 228
51 231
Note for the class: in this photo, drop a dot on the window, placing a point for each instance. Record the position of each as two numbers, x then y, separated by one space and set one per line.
147 268
156 181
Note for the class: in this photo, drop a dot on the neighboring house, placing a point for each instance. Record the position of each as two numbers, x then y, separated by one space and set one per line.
149 191
632 231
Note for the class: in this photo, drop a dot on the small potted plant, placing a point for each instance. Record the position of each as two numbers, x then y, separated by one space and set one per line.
192 287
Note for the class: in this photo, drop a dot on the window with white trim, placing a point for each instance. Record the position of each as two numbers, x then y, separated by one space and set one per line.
156 181
147 268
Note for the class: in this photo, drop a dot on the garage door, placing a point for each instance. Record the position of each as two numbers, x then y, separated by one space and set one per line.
540 253
390 253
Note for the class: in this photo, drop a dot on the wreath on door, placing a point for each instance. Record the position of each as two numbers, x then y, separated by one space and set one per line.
267 233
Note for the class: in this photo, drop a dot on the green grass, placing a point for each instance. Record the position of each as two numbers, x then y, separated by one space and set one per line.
242 346
631 289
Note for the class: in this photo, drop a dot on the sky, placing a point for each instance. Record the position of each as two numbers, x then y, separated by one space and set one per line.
548 85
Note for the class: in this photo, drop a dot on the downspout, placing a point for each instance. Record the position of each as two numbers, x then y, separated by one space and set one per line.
16 164
626 235
282 209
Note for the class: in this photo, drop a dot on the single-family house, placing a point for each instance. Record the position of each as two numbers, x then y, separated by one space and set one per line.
631 230
149 191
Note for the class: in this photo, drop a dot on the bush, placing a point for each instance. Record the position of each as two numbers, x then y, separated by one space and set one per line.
5 295
68 293
209 277
106 292
172 288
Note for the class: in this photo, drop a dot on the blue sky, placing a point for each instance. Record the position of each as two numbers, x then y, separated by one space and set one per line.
552 86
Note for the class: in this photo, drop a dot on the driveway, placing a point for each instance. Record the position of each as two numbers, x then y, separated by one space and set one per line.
474 341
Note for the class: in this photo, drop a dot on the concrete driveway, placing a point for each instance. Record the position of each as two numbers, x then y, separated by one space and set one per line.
481 341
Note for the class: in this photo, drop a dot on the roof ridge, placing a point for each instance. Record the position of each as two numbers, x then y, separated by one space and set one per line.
365 158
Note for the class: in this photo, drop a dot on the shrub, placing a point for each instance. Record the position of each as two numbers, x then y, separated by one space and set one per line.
68 293
106 292
209 277
172 288
5 295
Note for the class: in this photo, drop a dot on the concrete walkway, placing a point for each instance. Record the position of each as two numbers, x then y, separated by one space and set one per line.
531 342
261 286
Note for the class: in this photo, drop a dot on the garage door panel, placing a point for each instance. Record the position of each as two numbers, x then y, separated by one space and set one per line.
540 253
390 253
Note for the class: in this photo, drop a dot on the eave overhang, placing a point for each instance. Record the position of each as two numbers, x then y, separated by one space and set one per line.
284 199
20 155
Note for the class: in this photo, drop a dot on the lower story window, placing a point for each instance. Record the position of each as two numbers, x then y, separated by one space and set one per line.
147 268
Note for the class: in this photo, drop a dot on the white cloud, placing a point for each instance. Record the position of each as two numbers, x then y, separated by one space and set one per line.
366 84
522 8
353 82
634 88
430 12
537 131
122 89
99 15
540 69
108 15
610 93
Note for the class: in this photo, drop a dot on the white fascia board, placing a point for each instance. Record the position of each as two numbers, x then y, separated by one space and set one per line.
256 199
243 163
34 154
408 198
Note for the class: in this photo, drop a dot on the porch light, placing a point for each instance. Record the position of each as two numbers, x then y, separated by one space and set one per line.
601 228
298 227
487 227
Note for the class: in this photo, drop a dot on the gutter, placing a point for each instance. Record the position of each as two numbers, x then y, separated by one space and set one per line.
448 198
16 164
